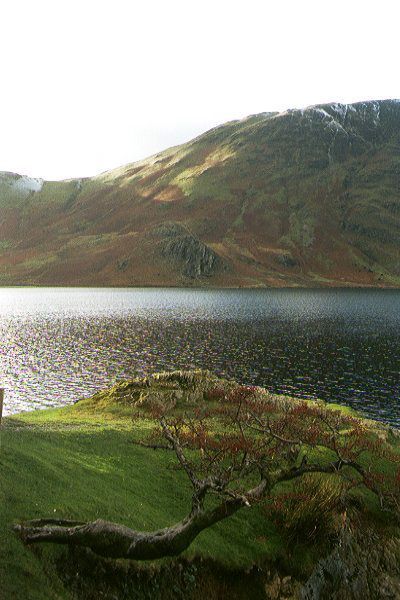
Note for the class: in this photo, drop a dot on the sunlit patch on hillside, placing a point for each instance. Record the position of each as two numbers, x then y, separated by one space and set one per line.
171 193
187 178
139 170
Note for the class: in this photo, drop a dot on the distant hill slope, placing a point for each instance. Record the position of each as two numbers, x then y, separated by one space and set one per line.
306 197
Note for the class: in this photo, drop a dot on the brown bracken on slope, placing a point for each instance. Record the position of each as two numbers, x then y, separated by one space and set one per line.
302 198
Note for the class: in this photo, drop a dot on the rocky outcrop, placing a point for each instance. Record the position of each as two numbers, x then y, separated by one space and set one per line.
281 587
360 567
287 260
190 255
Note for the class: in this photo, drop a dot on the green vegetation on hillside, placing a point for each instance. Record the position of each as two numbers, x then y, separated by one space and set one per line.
318 186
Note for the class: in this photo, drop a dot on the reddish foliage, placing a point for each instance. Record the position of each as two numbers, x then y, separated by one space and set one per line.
241 393
250 434
216 393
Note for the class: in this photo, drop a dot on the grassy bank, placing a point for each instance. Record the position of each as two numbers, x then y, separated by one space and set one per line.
55 464
80 462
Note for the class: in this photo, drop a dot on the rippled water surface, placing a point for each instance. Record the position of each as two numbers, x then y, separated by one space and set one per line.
57 345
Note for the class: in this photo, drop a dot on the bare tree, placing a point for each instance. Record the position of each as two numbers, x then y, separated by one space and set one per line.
235 447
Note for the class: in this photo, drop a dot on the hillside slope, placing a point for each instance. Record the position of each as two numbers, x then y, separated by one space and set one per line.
306 197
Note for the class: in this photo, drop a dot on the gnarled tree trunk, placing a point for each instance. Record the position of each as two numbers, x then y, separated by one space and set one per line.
118 541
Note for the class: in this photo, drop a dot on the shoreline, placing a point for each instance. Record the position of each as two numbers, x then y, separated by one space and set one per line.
335 286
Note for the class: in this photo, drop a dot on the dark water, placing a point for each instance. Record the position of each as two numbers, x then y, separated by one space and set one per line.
57 345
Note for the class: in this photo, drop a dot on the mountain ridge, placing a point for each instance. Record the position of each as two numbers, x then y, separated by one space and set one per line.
307 197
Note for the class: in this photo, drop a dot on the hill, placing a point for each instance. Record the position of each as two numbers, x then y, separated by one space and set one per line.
305 197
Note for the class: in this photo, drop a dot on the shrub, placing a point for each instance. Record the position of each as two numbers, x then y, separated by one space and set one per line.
216 393
311 511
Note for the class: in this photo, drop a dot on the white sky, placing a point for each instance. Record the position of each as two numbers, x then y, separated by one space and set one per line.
87 85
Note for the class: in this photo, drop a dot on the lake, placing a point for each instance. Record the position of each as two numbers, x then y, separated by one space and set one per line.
58 345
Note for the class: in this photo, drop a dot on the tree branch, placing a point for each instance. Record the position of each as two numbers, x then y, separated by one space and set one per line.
117 541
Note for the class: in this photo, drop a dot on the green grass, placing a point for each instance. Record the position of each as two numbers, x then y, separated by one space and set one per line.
73 464
56 192
79 462
39 261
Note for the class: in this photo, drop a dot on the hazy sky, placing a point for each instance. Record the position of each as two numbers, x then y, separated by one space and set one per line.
90 85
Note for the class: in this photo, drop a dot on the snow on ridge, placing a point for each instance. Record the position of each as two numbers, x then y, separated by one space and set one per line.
376 107
344 119
341 109
22 183
28 184
330 120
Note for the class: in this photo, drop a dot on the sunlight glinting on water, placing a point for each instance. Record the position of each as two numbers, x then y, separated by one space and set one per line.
58 345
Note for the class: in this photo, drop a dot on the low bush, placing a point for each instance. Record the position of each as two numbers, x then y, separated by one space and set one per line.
311 511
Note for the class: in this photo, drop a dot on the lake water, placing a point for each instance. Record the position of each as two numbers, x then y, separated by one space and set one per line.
58 345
